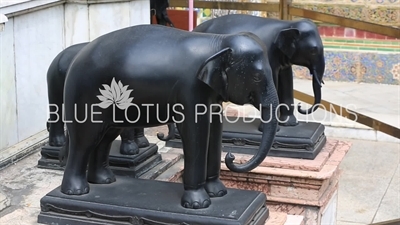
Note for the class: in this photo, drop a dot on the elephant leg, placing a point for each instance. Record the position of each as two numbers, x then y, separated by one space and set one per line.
128 144
140 139
285 94
195 143
214 186
80 146
99 171
55 124
56 134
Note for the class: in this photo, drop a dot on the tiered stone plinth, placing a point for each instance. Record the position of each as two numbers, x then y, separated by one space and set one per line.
299 191
296 186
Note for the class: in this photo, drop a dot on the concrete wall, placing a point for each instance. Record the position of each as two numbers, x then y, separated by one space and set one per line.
35 33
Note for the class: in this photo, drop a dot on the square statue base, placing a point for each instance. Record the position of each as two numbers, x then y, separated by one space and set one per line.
152 202
127 165
303 141
300 188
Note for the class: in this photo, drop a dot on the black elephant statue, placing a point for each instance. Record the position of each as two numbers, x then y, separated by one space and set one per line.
131 138
175 76
158 8
288 43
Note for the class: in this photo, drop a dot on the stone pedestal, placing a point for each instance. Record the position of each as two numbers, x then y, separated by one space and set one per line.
296 186
241 135
300 190
149 202
127 165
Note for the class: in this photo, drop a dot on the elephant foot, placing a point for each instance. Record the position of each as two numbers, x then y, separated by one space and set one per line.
288 120
196 199
142 142
101 176
128 148
74 186
215 188
57 140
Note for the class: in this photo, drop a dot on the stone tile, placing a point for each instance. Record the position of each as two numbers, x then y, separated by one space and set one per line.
359 197
33 40
371 159
348 223
389 209
25 184
21 216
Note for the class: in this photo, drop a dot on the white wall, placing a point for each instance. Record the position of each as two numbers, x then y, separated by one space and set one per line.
31 39
8 99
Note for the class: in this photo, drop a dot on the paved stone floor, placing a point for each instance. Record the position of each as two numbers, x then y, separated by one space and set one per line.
369 188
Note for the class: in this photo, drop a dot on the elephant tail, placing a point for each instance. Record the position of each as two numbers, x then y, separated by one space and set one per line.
63 154
48 125
171 133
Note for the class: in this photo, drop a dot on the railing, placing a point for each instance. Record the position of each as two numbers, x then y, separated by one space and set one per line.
286 11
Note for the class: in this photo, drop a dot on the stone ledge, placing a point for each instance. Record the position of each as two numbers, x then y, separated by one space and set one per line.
3 18
28 7
31 6
22 149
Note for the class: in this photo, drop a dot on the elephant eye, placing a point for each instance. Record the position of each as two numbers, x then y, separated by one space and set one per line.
314 50
257 77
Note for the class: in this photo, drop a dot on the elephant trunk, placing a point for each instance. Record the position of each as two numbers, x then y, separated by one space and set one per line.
270 123
317 72
171 133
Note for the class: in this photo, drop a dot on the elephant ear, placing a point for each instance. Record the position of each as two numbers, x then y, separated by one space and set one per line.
286 41
211 73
